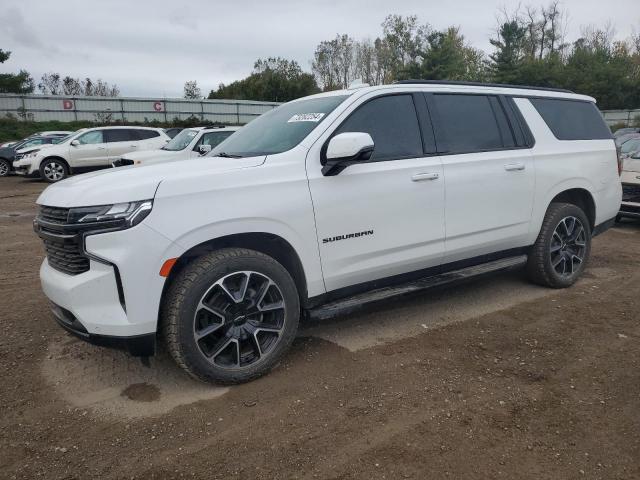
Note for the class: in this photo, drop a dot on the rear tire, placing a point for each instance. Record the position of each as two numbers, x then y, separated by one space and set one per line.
5 167
562 248
230 315
53 170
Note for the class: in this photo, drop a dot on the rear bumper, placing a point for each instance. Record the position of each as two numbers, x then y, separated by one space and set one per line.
630 206
137 345
629 209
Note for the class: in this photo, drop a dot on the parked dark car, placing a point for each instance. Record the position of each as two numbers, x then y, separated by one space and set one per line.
172 132
8 154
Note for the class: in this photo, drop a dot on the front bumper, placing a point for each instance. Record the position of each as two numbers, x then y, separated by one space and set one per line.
138 346
26 170
119 295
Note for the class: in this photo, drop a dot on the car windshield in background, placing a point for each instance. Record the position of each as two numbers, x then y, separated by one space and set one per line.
630 145
280 129
181 140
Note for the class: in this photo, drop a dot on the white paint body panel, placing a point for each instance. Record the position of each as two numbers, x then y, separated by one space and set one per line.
461 207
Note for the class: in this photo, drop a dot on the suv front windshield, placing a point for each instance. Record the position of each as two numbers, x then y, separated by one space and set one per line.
279 129
181 140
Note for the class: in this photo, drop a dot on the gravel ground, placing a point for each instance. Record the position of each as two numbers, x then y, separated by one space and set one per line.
492 379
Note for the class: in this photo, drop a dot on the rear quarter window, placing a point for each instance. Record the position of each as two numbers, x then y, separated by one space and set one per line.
572 119
147 134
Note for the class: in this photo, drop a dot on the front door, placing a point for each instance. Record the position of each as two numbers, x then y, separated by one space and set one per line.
384 217
91 150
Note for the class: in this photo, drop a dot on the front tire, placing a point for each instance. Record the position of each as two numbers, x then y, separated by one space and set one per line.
562 248
5 167
53 170
230 315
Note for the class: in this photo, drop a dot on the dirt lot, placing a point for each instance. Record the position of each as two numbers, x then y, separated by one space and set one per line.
493 379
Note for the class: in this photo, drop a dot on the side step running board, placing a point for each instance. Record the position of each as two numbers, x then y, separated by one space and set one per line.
341 307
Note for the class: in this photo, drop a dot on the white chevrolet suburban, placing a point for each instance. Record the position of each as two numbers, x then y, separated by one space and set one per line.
321 204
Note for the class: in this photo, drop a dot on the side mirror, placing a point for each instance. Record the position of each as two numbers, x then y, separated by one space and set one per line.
204 149
346 149
75 143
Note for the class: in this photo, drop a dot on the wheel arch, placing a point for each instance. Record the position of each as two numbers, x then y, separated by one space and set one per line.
268 243
56 157
581 198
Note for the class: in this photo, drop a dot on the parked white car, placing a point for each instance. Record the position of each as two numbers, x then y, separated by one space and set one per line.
189 143
88 149
630 187
321 205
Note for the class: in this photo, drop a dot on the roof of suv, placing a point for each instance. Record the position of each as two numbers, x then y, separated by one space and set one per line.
471 87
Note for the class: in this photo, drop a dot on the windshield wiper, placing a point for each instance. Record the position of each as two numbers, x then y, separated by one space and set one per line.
227 155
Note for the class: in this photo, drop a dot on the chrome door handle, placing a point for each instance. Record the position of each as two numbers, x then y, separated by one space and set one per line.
418 177
514 167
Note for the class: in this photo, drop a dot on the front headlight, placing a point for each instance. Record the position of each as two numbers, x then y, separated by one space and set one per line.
119 215
32 153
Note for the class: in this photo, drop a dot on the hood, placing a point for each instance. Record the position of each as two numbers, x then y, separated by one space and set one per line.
631 164
7 152
152 154
36 147
126 184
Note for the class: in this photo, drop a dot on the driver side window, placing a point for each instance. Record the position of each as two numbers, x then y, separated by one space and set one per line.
393 125
91 138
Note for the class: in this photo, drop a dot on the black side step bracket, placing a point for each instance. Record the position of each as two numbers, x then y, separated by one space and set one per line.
341 307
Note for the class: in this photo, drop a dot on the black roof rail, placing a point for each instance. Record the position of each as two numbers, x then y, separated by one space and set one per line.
481 84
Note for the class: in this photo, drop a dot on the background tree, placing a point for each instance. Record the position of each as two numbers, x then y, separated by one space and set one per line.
54 84
20 82
4 55
273 79
191 90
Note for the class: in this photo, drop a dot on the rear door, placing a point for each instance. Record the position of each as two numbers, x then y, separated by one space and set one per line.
90 152
488 170
120 141
150 139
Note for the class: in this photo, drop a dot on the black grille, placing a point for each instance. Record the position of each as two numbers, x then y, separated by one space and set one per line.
66 256
62 241
631 193
54 214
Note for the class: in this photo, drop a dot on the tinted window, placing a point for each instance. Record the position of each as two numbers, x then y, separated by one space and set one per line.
91 137
468 123
120 135
147 134
572 120
213 138
392 123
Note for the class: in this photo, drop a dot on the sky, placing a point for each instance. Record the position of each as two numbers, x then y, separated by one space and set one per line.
150 48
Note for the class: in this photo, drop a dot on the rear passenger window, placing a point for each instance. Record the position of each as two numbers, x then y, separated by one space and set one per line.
392 123
120 135
571 119
472 123
147 134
